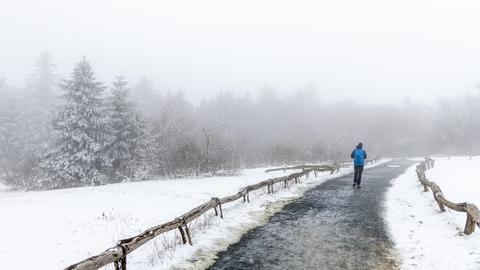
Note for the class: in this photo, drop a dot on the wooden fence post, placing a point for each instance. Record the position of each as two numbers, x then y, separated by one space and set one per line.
121 264
437 193
182 233
470 225
473 218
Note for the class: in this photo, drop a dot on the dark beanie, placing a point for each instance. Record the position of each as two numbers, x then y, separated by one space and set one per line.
359 146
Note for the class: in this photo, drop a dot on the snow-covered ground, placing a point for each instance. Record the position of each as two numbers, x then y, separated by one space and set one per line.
424 237
61 227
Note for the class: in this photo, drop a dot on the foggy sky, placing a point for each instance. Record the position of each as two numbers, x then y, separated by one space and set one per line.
369 51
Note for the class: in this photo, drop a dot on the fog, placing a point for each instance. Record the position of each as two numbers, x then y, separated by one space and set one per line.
367 51
97 92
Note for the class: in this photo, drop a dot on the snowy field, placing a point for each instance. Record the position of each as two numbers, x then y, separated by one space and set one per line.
426 238
61 227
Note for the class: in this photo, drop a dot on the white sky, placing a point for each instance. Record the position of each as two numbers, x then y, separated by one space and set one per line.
379 51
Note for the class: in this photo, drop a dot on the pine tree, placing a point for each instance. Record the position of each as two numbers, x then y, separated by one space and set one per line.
9 124
148 100
42 84
128 127
37 131
81 123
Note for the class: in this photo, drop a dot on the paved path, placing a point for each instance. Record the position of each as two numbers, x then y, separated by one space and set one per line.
333 226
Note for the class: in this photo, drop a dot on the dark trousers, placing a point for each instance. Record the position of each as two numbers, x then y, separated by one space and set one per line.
357 177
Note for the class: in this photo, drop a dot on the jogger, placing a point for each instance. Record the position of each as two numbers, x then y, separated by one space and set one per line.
359 155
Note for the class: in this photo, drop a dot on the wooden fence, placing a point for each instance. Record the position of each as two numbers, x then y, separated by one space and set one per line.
332 168
473 214
118 254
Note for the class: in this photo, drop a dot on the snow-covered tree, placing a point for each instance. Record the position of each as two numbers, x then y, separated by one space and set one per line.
457 125
81 123
172 149
9 143
36 117
42 84
128 128
148 100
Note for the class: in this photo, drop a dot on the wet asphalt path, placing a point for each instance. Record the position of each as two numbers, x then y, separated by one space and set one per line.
332 226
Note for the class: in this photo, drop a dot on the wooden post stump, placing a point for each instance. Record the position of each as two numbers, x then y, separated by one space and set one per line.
437 195
470 225
473 218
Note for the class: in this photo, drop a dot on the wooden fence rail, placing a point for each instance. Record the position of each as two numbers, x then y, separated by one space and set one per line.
118 254
331 168
306 167
473 214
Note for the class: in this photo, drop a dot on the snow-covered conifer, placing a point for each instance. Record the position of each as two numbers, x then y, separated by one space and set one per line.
81 123
128 129
42 84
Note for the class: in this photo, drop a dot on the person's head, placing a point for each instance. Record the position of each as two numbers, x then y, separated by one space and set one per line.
360 146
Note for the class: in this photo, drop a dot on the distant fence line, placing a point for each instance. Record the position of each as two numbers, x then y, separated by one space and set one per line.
331 167
118 254
473 214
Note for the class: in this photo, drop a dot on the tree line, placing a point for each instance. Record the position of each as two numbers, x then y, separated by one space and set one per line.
78 131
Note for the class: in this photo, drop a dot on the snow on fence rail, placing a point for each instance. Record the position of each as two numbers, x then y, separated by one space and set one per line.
118 254
473 214
332 168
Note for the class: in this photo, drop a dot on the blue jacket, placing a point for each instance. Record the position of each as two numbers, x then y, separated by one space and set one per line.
359 155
